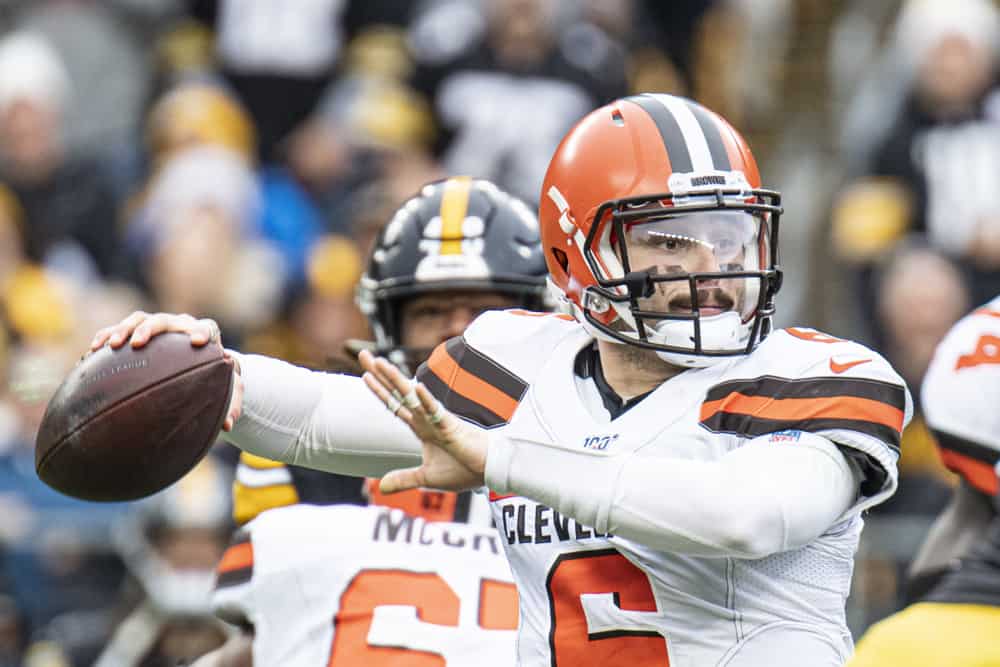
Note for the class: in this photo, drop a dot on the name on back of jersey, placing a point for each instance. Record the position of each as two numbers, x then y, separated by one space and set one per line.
397 527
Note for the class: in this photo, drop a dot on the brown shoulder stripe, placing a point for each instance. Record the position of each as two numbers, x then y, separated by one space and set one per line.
767 404
236 566
824 387
472 385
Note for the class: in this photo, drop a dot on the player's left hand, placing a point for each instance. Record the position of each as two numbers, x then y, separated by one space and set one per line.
454 452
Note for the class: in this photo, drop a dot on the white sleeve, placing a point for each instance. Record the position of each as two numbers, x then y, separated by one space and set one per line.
760 499
318 420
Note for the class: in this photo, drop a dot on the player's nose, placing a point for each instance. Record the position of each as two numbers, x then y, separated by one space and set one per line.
703 260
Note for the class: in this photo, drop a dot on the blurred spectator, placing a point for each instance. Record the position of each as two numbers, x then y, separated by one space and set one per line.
868 77
935 173
375 203
104 45
12 235
505 84
922 294
196 114
35 303
197 243
53 554
277 56
320 318
727 54
11 632
67 203
53 546
201 114
669 32
329 315
372 133
171 544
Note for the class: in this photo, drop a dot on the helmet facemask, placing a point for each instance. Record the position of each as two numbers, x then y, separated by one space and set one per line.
691 276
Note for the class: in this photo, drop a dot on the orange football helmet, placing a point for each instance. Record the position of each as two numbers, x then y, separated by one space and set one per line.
659 175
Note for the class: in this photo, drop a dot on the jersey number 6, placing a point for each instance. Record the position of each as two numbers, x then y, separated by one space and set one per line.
601 574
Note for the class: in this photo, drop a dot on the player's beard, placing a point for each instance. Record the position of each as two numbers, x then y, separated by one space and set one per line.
639 360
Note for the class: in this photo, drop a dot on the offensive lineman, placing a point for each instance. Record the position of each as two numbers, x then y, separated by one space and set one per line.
674 482
323 583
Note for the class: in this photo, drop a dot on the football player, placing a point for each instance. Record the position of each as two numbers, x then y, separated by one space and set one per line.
675 483
956 620
390 586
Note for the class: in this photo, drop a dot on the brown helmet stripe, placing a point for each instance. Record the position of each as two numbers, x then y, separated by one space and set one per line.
670 132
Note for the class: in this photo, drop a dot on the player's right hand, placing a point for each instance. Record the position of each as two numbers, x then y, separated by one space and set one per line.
139 327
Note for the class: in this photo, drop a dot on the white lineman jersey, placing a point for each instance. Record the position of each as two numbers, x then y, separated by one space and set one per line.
345 586
597 600
961 395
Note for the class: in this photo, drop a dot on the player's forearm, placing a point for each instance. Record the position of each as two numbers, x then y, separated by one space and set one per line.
318 420
758 500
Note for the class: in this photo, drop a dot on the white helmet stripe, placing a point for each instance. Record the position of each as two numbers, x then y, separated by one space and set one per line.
694 137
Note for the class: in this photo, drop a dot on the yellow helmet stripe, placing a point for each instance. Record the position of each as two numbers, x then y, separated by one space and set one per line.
454 204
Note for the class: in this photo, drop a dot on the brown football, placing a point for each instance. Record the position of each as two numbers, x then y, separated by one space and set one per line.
127 423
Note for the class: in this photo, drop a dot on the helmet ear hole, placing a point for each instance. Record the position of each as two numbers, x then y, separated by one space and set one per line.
561 259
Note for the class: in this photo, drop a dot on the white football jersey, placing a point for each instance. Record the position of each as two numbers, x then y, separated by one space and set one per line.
961 394
328 586
591 599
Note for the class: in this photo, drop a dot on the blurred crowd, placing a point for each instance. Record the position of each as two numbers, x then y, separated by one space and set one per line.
233 159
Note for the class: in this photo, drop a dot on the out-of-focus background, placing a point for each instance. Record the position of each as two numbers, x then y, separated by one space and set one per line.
232 159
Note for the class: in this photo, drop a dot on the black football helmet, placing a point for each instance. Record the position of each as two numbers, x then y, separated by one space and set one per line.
456 233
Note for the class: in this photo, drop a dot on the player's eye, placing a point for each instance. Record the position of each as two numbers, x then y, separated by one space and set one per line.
427 312
671 242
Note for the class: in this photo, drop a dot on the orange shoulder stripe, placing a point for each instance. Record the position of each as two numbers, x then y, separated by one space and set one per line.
469 386
800 409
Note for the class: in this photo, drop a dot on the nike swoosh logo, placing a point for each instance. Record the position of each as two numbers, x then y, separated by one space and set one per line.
840 368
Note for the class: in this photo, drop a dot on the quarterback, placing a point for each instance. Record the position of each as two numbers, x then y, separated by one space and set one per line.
674 482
